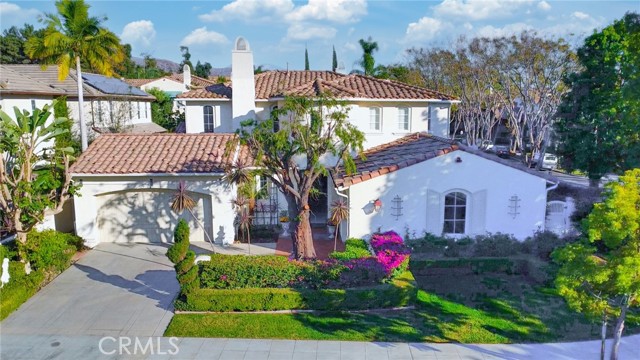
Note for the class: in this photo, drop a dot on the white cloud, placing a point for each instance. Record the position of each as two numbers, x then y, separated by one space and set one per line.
139 33
249 10
12 14
301 31
507 30
339 11
478 10
425 29
202 36
543 5
580 15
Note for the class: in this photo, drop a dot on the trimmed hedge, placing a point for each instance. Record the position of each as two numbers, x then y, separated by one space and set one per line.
183 258
353 249
399 293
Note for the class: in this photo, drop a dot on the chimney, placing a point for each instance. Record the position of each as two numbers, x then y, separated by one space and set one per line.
243 83
186 76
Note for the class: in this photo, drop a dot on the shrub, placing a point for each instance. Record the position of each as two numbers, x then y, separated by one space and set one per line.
269 299
354 249
391 252
233 272
496 245
183 258
542 244
186 264
49 250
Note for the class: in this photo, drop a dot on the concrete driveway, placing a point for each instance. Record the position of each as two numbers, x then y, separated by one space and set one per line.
115 290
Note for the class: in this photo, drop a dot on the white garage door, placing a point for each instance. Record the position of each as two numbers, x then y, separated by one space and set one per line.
146 216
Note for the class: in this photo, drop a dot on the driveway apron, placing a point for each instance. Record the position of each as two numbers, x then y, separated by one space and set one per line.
115 290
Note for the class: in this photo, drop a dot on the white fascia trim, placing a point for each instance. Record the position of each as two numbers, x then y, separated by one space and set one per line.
388 100
201 99
79 175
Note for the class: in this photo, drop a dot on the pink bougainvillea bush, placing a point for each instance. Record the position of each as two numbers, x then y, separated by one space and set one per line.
391 252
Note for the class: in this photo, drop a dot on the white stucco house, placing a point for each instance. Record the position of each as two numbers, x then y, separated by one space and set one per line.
173 84
108 102
413 178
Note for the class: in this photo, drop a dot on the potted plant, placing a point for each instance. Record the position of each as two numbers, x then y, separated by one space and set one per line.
284 221
338 213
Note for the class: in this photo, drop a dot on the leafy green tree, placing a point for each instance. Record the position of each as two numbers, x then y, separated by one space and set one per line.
306 59
312 131
401 73
367 62
12 44
334 60
67 139
203 70
72 37
601 277
162 110
599 122
186 59
34 169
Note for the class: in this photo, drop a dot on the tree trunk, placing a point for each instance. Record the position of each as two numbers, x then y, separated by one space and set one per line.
83 125
617 333
302 238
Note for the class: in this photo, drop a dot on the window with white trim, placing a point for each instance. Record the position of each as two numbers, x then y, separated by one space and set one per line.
209 123
455 213
403 119
375 119
275 119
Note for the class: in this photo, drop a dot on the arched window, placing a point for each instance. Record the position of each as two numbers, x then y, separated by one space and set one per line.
209 122
275 119
455 213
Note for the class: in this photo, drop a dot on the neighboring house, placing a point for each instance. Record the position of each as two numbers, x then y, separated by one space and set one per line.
429 184
173 84
384 110
128 182
109 103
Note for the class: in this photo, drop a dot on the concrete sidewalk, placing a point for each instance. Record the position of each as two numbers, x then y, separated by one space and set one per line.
34 347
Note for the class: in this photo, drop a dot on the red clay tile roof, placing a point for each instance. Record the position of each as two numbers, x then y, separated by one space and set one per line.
156 153
395 155
138 82
278 83
412 149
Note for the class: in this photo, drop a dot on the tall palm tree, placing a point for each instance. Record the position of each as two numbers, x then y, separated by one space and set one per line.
72 36
368 62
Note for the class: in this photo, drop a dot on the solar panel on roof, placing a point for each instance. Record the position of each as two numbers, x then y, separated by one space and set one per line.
111 85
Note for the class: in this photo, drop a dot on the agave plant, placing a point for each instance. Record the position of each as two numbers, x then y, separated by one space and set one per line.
339 212
182 201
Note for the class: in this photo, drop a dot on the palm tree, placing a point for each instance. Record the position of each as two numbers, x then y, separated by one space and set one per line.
72 36
182 201
339 213
368 62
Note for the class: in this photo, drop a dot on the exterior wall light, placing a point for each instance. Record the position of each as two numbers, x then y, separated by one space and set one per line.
458 159
377 204
150 182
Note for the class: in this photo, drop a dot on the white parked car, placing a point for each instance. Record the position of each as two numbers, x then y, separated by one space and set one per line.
549 162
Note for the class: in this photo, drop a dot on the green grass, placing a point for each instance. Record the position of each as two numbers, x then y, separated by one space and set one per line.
490 309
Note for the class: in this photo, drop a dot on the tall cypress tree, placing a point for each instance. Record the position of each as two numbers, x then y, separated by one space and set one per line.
306 59
334 64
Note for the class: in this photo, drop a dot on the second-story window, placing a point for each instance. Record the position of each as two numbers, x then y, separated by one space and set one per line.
209 123
275 119
375 119
403 119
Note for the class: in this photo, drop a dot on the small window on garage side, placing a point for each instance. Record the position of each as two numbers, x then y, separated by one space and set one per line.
455 213
209 123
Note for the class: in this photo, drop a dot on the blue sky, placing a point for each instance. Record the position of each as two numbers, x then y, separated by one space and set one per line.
279 30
